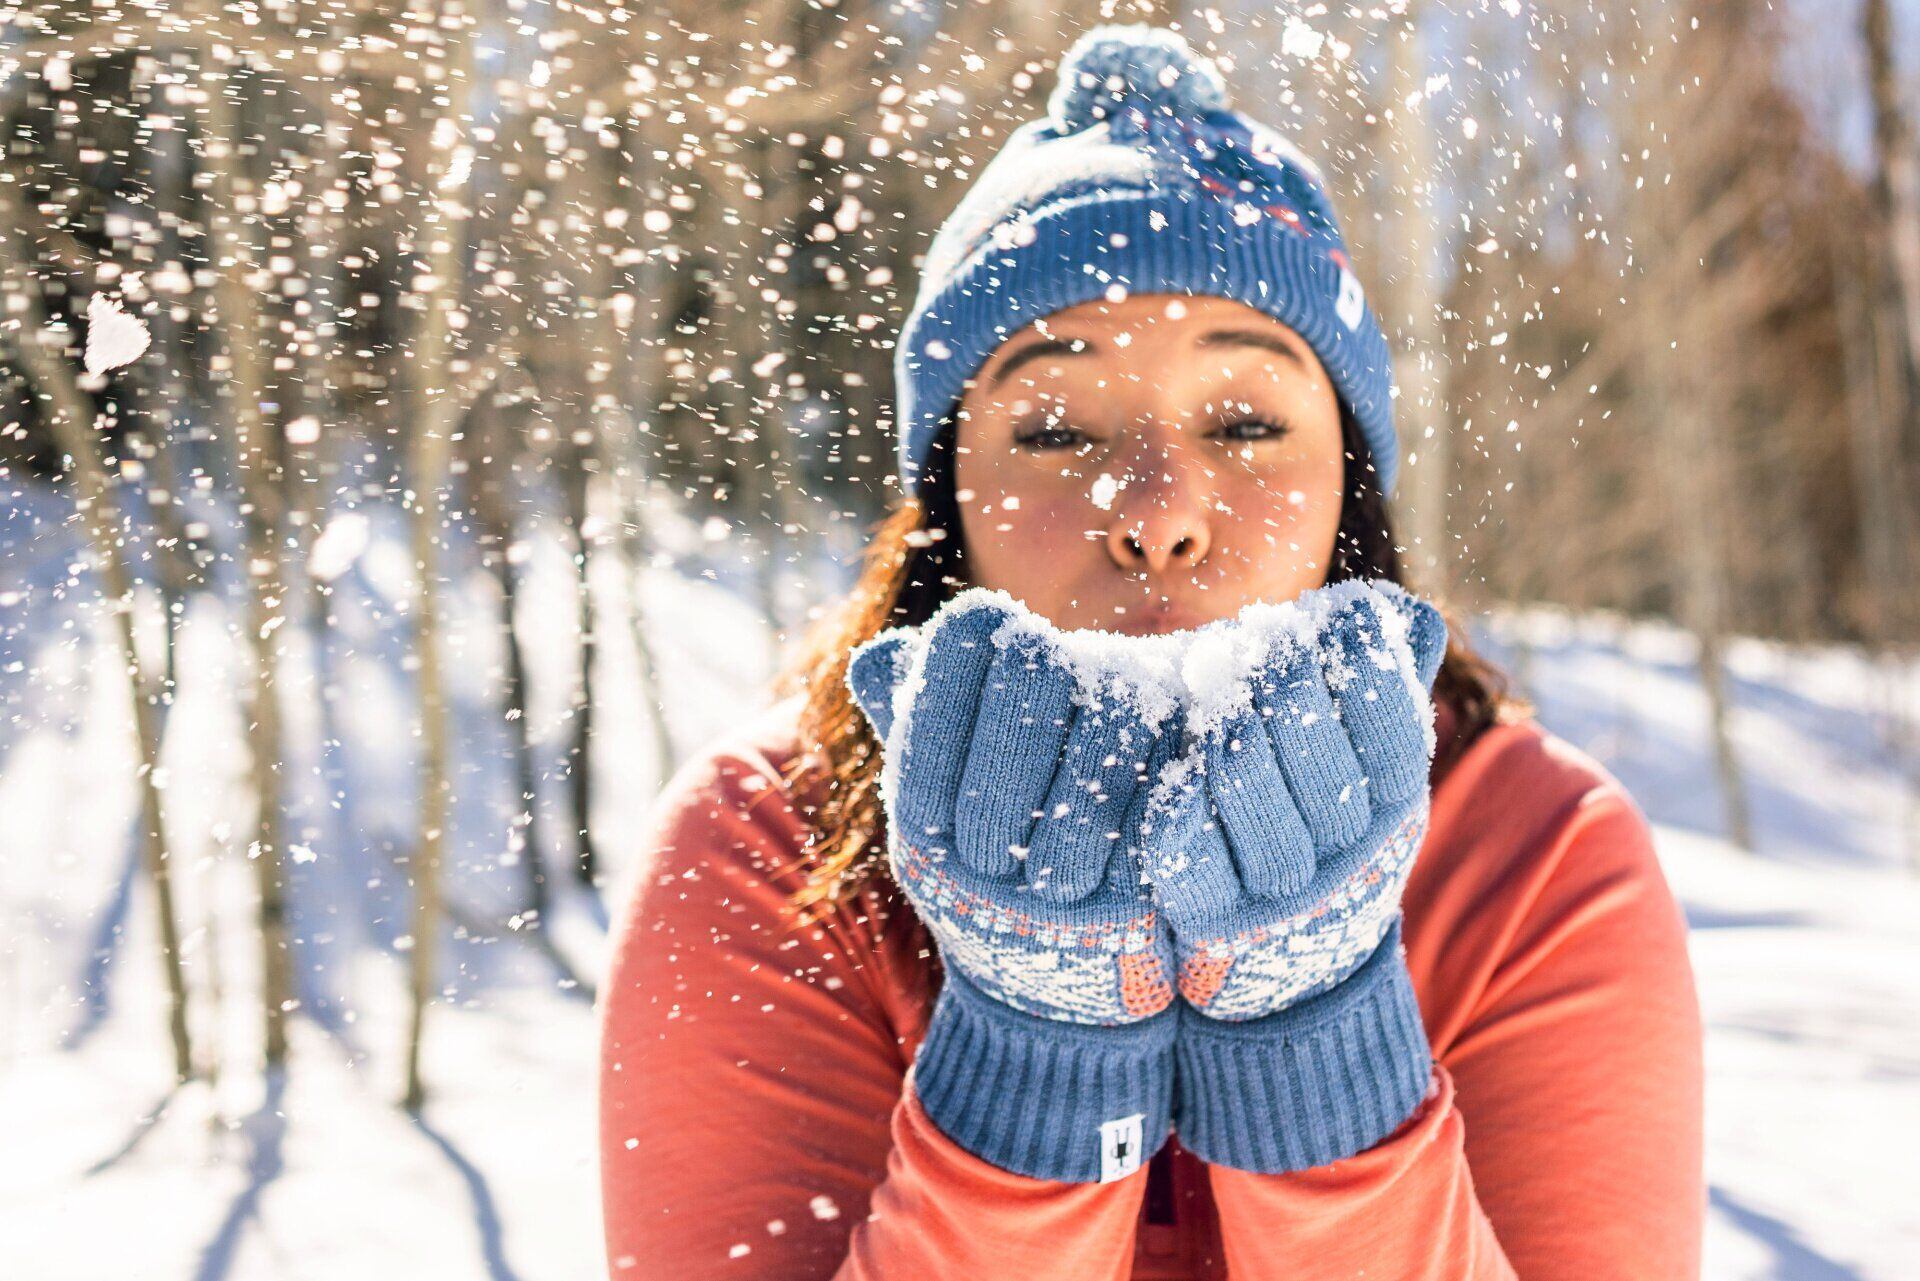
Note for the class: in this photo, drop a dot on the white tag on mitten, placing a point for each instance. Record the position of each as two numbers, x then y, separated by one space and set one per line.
1121 1147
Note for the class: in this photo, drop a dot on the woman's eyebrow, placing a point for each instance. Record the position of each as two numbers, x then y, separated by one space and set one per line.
1048 347
1080 346
1252 338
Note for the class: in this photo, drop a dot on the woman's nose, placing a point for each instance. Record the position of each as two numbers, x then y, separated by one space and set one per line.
1162 525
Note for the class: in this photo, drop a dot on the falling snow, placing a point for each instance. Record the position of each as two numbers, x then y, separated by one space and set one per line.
113 337
440 422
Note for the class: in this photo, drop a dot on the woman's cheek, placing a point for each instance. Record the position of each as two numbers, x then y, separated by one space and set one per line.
1032 526
1278 524
1045 523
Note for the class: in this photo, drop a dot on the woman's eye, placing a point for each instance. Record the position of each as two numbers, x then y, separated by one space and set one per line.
1053 437
1252 429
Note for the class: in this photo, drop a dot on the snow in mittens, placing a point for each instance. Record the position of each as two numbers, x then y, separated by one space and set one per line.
1142 671
1210 669
1224 659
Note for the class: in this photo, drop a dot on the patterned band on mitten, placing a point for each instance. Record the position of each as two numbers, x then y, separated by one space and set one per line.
1267 961
1105 968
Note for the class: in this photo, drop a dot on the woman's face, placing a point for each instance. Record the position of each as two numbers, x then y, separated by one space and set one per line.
1150 465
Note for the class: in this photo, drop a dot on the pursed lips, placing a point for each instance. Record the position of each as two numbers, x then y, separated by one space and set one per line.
1156 619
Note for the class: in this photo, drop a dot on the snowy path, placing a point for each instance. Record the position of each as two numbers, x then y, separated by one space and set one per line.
1808 959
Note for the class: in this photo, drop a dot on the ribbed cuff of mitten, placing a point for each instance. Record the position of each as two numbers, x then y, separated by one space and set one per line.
1309 1084
1049 1099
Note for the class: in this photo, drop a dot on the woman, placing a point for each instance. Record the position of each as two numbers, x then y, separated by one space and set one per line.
1141 393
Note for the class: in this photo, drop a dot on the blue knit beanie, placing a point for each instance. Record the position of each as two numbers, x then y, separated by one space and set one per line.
1139 179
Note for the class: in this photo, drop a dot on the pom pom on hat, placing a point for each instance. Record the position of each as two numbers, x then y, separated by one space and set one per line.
1113 66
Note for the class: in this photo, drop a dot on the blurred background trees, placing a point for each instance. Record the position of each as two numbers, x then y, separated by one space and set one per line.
622 280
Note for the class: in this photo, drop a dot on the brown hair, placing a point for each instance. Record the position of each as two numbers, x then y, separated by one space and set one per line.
916 562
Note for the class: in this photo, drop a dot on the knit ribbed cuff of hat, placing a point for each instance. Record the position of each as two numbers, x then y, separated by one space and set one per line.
1313 1083
1072 1102
1175 242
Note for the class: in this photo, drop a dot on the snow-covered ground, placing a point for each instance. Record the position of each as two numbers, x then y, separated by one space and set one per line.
1808 954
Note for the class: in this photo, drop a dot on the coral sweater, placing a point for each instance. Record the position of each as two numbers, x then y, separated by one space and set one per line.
757 1118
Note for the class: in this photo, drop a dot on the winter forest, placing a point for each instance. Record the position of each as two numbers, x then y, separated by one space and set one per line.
427 424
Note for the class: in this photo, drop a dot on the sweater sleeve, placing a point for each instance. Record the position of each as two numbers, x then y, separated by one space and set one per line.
1561 1136
756 1116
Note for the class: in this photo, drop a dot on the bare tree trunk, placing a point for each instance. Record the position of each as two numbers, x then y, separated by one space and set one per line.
435 387
772 214
753 427
71 413
1880 514
1896 185
637 553
578 484
640 374
326 230
1694 469
1896 197
1682 407
182 551
1698 483
262 520
524 828
1726 761
1416 301
489 459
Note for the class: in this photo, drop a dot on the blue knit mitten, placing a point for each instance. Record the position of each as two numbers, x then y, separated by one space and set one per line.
1278 846
1017 764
